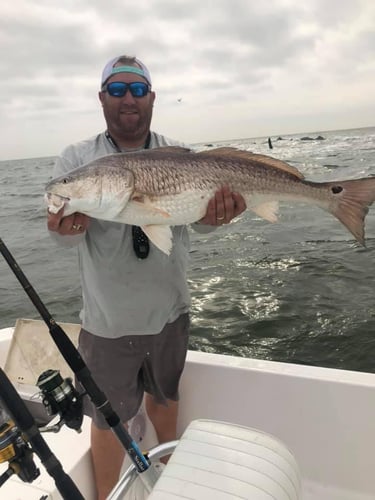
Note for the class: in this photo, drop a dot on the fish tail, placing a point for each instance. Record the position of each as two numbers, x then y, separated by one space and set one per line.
350 202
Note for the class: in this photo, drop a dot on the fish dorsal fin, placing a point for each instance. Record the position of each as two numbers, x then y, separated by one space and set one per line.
247 155
224 151
170 149
274 162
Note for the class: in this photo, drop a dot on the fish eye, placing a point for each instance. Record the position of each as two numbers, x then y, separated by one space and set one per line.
65 180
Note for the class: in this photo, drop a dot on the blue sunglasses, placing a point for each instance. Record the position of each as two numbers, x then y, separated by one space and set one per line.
119 89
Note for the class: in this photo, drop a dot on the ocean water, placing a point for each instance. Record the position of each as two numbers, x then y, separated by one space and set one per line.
300 290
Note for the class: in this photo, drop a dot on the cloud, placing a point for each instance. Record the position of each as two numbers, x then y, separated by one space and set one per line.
242 68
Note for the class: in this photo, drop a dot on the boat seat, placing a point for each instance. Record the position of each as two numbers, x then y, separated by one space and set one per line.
221 461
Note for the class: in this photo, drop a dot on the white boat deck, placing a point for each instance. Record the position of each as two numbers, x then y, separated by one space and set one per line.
325 417
314 491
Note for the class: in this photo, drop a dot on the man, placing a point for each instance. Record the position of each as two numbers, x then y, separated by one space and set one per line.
135 319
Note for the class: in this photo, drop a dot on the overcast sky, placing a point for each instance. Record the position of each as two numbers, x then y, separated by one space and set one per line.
221 69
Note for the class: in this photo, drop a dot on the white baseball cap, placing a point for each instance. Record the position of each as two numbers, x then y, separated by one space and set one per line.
110 69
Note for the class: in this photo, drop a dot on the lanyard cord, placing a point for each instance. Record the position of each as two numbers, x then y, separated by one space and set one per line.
114 144
141 245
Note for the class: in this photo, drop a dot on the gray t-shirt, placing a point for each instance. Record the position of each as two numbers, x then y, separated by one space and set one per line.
123 295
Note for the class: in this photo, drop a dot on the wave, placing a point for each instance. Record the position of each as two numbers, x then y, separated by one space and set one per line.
258 289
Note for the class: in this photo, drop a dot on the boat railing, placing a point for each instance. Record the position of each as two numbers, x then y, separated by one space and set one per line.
130 475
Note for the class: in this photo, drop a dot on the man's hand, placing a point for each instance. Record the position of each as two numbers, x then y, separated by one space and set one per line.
71 225
224 207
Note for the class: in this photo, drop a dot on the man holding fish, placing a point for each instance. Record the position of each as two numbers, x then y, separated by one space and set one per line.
135 317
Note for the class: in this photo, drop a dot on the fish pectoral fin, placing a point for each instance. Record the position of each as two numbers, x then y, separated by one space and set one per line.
160 236
267 211
145 206
114 206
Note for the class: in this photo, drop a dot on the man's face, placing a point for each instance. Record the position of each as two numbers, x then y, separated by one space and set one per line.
128 117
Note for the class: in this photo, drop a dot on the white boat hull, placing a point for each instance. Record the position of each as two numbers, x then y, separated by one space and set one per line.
325 417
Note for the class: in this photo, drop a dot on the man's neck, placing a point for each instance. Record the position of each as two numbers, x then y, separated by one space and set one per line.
123 143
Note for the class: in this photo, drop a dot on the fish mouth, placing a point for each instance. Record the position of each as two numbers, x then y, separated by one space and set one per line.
55 202
53 196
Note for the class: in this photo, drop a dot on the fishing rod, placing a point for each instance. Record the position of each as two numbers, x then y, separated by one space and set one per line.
17 450
148 474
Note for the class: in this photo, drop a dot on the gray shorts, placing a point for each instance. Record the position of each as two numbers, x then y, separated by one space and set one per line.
126 367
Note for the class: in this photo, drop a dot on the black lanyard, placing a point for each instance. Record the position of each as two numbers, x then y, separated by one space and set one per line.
114 144
141 245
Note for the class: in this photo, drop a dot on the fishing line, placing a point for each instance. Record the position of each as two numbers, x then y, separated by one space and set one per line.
76 363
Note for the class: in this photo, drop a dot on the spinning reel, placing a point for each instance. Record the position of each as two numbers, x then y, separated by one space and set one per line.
15 449
61 397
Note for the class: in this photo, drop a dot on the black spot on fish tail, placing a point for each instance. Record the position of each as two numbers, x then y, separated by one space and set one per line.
351 200
337 189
